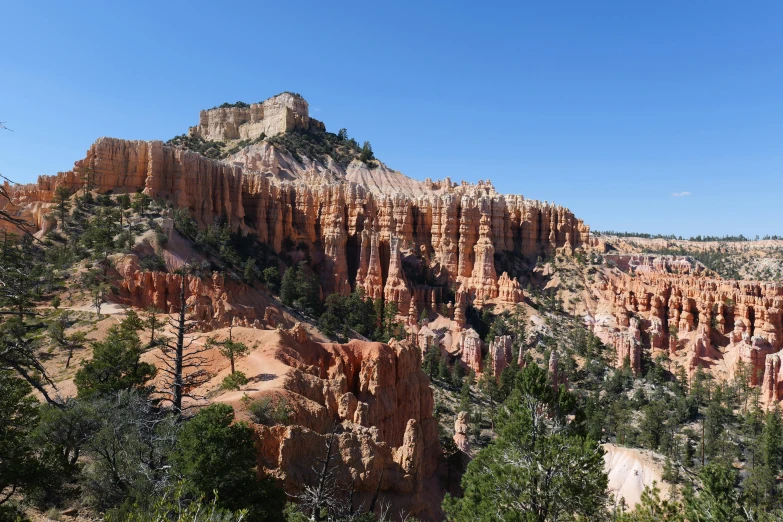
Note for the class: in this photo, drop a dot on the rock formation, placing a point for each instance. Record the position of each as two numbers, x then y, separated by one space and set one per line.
681 308
212 302
454 230
500 353
461 424
471 348
375 393
276 115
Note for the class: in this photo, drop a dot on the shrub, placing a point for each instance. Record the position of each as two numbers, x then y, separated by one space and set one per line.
152 263
268 411
217 458
234 381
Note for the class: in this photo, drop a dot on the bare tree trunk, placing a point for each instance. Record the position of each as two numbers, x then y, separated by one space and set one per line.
180 347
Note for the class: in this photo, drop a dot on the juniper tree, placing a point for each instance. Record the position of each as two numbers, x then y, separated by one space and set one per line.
115 365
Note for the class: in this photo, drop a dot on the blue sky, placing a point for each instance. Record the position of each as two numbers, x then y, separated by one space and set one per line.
608 108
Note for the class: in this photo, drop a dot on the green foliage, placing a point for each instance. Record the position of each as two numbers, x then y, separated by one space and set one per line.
128 453
288 286
389 327
269 411
366 155
210 149
234 381
271 276
185 224
19 466
115 364
317 144
345 313
176 504
431 361
230 349
300 289
216 457
152 263
238 105
250 272
540 467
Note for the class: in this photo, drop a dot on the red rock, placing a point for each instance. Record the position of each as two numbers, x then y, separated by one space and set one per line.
500 354
461 440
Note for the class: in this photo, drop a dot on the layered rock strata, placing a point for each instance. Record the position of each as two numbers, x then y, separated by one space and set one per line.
363 238
377 397
666 303
281 113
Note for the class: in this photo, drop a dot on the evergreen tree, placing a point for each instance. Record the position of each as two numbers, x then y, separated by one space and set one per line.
19 466
62 204
216 456
115 364
538 469
288 286
229 348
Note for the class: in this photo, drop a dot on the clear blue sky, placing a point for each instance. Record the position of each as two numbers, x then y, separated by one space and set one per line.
608 108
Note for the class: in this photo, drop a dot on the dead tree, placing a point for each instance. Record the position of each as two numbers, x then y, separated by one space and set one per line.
314 500
5 200
182 360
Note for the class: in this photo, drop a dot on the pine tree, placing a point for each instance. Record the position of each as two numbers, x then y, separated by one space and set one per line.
288 286
540 467
115 365
229 348
62 204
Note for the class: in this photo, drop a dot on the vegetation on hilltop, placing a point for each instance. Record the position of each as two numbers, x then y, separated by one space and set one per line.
208 148
318 145
315 144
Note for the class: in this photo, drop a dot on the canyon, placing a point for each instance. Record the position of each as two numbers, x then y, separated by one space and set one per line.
437 251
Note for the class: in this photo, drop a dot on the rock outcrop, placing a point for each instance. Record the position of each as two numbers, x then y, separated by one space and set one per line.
212 301
461 425
500 353
376 395
276 115
453 231
685 312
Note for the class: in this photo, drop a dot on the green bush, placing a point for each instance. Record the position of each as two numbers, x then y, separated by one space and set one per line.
234 381
269 412
216 457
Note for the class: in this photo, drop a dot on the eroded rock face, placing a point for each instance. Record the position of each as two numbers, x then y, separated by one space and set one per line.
213 302
453 230
472 347
500 352
276 115
681 309
382 403
461 424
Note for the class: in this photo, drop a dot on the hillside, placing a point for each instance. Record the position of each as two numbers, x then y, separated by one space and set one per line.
412 322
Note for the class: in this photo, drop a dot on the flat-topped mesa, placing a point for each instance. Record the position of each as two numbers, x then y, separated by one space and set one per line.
278 114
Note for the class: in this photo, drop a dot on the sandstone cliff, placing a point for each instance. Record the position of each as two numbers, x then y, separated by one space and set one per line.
702 321
454 231
276 115
376 395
